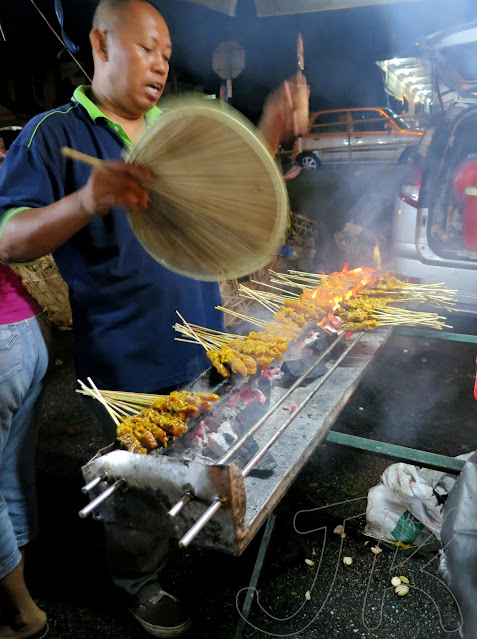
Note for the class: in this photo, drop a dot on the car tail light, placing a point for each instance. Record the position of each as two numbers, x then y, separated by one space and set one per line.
411 183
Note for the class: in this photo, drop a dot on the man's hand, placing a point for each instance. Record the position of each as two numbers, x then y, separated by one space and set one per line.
114 184
285 113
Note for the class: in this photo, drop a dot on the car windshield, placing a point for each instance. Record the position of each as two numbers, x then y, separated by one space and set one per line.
397 119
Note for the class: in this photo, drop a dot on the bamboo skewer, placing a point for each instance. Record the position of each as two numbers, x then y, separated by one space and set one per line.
207 348
81 157
276 288
262 299
246 318
94 392
121 404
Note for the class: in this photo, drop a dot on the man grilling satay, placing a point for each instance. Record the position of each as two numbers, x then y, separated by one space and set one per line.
123 301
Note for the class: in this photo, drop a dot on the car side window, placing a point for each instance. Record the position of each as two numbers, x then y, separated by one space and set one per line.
369 121
330 123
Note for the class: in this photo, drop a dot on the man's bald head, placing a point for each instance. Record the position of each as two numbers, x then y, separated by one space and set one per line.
108 12
131 51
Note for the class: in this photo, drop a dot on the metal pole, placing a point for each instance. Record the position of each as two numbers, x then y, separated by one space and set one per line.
183 501
100 498
94 482
421 457
200 523
422 332
255 576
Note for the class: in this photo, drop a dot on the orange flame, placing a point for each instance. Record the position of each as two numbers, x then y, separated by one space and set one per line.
336 303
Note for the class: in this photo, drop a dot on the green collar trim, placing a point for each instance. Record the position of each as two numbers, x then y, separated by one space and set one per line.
80 96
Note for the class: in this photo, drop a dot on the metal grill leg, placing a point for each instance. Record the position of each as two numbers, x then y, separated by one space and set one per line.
255 576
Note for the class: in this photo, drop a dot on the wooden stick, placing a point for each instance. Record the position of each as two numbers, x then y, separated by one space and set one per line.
277 288
207 348
97 395
247 318
81 157
252 294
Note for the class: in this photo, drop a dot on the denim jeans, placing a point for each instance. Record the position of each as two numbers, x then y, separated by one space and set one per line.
24 356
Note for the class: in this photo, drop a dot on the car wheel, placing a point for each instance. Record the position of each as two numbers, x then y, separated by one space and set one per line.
308 161
407 156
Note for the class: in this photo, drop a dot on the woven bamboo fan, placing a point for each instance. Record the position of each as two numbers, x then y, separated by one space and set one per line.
219 208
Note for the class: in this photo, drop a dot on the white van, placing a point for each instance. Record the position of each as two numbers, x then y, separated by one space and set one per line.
434 236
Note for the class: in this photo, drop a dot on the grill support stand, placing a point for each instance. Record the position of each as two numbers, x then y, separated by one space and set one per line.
419 457
255 576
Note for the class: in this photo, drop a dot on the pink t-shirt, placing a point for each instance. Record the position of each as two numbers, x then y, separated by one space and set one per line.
16 303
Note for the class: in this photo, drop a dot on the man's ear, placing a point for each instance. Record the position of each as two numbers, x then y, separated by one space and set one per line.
99 44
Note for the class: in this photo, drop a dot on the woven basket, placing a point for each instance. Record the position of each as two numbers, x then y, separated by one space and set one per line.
44 282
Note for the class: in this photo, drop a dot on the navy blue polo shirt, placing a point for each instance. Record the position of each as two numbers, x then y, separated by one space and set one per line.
124 303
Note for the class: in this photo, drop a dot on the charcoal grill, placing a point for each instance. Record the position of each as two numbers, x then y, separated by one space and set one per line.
222 505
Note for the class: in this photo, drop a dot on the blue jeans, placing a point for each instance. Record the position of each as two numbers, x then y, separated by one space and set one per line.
24 355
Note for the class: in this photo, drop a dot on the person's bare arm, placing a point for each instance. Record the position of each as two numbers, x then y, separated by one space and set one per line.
33 233
277 122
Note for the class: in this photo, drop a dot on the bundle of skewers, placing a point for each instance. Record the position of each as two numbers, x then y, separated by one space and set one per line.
371 284
145 422
355 300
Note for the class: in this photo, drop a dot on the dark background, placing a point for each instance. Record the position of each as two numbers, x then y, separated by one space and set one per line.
341 48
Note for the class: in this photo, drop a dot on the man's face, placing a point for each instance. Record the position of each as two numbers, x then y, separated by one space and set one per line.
138 58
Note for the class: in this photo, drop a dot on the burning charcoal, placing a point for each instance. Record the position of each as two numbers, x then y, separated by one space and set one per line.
249 415
217 443
197 443
265 466
230 413
297 367
227 430
201 430
245 396
316 341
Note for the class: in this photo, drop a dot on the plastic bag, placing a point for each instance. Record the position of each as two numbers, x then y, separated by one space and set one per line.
405 506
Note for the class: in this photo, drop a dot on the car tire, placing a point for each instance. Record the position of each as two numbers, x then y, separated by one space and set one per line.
407 155
308 161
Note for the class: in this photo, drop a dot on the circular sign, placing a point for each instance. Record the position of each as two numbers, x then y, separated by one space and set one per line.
228 60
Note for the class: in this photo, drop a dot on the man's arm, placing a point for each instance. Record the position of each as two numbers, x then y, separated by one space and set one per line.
278 121
32 233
